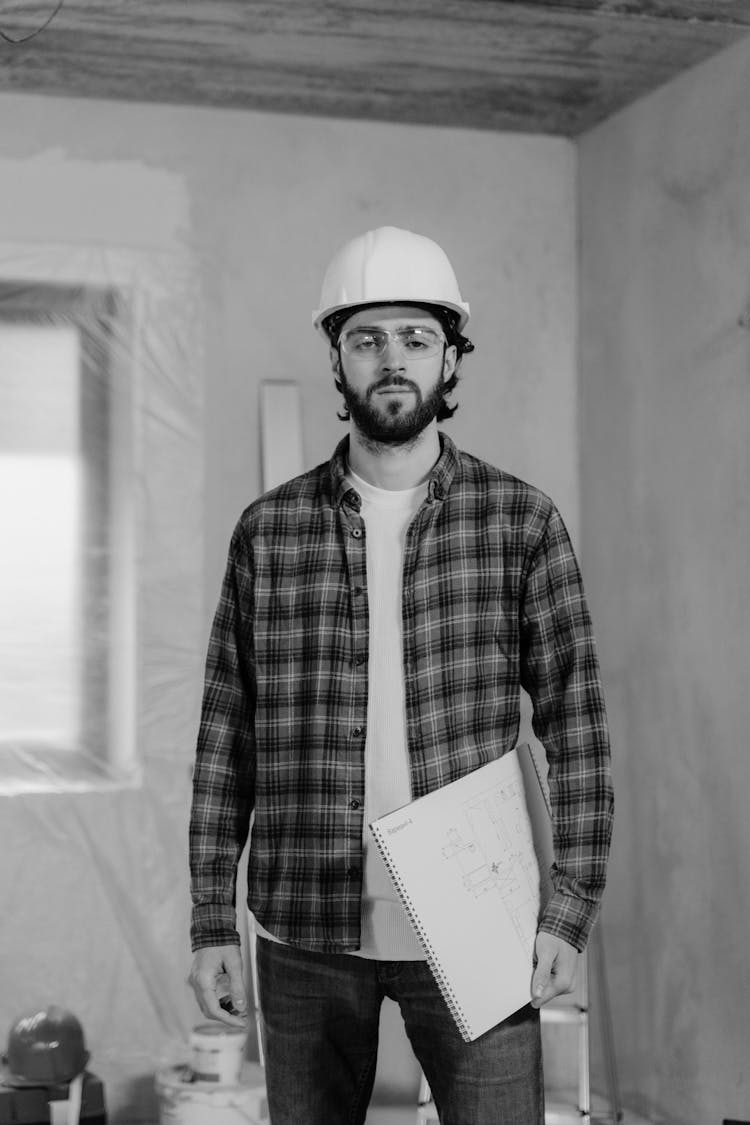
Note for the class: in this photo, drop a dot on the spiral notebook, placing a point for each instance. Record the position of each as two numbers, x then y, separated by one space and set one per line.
471 865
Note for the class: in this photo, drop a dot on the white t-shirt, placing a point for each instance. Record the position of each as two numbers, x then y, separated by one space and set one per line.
386 931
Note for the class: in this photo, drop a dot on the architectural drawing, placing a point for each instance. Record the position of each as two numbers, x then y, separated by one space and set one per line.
491 849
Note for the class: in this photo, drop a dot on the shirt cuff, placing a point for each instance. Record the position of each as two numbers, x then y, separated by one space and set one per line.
213 924
569 918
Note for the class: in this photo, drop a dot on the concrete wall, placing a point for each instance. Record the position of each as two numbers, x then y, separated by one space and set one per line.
665 227
253 206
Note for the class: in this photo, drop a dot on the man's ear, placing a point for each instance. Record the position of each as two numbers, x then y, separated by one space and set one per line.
335 359
450 362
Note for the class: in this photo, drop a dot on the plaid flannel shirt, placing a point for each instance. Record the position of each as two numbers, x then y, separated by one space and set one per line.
492 601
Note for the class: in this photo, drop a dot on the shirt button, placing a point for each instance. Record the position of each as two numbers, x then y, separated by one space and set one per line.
358 660
354 803
353 872
356 532
358 731
358 591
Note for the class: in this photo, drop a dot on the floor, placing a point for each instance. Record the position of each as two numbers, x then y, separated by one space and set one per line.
559 1112
408 1116
600 1115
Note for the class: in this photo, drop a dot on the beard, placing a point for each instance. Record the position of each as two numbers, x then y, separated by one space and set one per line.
393 423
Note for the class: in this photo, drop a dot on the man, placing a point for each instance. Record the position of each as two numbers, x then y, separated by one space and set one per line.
378 618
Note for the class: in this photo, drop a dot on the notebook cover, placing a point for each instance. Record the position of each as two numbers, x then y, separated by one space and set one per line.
466 862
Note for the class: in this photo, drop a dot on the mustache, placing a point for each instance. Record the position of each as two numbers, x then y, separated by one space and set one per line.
392 381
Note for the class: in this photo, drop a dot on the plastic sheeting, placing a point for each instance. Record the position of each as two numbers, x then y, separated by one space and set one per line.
101 570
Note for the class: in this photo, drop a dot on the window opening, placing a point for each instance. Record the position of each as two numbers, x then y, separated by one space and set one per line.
56 496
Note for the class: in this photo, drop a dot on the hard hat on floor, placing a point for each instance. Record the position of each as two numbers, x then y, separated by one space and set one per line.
45 1047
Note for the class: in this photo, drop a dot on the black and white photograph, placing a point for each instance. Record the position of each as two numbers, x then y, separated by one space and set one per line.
374 527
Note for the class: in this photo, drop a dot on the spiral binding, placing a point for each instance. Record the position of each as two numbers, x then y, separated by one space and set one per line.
435 967
538 772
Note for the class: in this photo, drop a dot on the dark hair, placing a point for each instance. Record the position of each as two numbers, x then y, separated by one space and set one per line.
448 318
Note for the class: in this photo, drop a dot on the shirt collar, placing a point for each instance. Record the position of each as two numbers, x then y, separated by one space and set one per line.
440 480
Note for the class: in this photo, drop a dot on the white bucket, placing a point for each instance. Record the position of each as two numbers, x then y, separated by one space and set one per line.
217 1053
184 1101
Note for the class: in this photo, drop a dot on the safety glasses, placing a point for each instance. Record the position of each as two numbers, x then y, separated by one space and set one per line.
369 343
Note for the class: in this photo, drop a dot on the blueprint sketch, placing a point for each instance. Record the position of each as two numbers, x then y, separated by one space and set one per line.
490 844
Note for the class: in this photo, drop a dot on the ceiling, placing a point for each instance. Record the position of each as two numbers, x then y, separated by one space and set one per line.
558 67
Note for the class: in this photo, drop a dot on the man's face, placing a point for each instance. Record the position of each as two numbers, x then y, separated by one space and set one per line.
392 385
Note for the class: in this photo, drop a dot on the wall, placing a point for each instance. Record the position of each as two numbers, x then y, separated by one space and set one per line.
252 206
665 228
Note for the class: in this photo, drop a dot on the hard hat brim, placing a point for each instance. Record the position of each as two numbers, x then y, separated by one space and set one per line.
319 316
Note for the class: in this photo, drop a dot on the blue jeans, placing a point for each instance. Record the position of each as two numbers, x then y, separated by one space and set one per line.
320 1027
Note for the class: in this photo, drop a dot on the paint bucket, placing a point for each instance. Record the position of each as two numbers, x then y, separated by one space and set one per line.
217 1052
185 1101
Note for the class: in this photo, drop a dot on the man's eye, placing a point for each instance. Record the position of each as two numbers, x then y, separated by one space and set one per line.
414 344
366 343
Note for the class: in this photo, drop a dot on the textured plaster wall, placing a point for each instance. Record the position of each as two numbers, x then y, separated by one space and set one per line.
256 205
665 275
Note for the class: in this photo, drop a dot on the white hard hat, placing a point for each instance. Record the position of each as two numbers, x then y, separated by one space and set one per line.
389 266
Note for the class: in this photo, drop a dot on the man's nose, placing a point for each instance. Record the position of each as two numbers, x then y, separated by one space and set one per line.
393 357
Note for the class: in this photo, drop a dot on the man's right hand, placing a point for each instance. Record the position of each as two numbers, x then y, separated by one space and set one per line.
216 973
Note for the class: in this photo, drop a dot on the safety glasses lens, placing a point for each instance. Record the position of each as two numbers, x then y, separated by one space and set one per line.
417 343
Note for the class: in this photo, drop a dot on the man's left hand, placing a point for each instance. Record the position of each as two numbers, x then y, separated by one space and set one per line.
555 972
